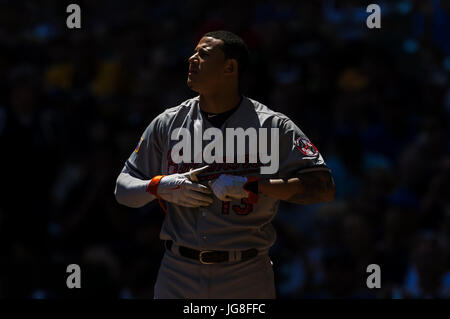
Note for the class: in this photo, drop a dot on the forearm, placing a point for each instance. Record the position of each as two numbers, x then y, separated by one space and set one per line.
131 191
309 188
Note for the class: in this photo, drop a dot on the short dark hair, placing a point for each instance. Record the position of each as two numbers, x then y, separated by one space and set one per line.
233 47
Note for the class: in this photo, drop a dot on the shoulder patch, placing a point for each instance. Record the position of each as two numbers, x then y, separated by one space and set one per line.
139 145
306 147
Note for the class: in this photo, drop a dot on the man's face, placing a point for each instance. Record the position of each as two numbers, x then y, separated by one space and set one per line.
206 66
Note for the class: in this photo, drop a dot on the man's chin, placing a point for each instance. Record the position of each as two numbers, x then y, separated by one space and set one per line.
192 86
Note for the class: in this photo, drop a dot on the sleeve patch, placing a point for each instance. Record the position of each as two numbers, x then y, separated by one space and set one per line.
306 147
139 145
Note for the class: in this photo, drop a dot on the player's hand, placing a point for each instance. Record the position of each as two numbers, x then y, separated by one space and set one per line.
183 190
227 187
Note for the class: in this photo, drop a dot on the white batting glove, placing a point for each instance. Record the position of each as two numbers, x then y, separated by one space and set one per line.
227 187
181 189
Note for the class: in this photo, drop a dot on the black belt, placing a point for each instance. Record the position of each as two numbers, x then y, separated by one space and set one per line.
210 256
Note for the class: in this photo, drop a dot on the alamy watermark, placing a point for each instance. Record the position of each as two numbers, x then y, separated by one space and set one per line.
73 21
374 19
74 279
374 279
185 152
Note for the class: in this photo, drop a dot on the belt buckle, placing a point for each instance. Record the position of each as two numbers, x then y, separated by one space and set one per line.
200 257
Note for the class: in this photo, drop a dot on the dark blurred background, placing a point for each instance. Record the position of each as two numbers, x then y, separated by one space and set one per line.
375 102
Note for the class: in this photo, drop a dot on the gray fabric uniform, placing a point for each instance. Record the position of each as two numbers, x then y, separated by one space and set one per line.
233 227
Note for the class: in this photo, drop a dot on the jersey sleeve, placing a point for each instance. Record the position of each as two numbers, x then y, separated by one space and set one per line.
145 160
297 153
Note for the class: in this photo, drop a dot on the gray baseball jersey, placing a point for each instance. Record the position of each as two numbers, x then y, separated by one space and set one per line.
234 225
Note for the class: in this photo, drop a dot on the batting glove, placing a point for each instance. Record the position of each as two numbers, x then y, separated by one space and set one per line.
227 187
181 189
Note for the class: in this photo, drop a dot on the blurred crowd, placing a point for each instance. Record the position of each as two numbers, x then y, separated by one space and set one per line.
375 102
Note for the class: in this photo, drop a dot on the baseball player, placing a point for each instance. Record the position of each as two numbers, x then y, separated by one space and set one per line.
217 229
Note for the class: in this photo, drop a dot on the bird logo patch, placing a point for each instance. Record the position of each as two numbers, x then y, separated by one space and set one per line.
139 145
306 147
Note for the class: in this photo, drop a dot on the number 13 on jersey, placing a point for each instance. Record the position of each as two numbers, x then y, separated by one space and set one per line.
243 209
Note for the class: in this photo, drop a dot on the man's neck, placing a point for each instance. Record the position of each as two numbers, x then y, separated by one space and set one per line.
219 103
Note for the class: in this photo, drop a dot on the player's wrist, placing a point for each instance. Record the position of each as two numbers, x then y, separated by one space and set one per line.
152 186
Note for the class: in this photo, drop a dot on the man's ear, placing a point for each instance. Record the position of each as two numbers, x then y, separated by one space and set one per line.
231 67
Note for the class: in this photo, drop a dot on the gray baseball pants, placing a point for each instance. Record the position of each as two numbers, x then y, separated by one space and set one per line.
183 278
